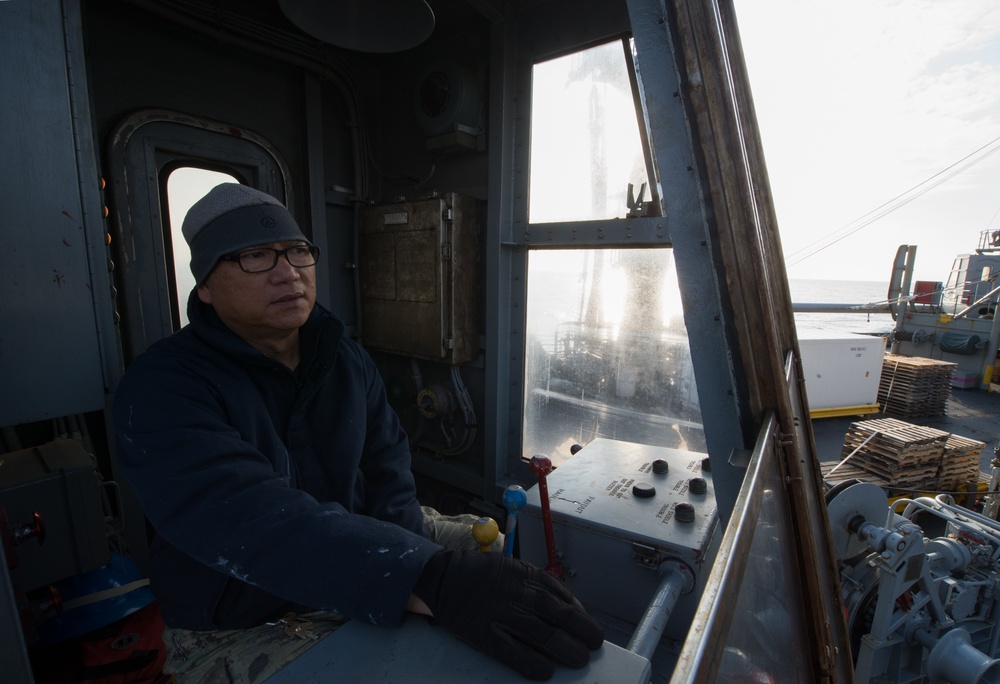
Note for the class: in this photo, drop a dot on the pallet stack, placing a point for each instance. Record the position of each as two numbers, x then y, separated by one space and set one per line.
912 386
901 455
959 463
897 453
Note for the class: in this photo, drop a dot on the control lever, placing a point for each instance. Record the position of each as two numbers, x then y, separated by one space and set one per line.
514 499
22 532
44 605
541 466
485 531
12 534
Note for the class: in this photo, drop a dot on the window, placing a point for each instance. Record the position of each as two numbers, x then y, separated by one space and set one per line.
585 143
149 147
185 186
607 353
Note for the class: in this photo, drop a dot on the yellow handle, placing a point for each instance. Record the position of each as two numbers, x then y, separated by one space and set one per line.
485 531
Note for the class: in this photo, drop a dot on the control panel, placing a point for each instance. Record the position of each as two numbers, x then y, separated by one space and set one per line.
622 513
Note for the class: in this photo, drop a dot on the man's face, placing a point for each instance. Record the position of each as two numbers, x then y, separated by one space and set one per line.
261 305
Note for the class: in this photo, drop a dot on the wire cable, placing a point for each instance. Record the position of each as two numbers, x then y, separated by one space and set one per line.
895 203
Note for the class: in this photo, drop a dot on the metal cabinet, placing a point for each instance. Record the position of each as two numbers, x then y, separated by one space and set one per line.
419 284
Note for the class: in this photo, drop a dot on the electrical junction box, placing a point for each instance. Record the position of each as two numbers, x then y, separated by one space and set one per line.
419 278
841 371
621 513
58 482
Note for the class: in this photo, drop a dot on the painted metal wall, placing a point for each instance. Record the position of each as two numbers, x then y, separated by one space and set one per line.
57 337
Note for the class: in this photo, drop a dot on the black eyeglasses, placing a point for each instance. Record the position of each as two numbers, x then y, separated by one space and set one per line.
260 259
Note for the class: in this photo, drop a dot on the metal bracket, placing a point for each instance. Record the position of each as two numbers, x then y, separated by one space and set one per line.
646 556
740 458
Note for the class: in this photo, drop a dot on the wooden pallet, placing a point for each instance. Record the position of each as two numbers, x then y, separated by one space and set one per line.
912 386
849 472
902 454
960 462
896 454
893 438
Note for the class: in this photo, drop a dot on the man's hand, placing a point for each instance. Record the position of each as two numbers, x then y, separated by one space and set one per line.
510 610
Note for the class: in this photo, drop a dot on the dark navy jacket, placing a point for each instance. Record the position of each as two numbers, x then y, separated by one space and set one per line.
269 490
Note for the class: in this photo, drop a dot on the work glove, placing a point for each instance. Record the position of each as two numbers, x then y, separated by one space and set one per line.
510 610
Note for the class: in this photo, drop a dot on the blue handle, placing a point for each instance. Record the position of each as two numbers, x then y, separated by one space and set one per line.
514 499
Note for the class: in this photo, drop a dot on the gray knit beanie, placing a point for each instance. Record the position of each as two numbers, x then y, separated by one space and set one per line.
232 217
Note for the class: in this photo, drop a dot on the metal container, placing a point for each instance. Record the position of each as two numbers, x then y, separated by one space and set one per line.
55 484
419 282
618 520
842 371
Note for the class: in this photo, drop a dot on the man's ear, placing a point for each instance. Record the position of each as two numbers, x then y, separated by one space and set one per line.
204 293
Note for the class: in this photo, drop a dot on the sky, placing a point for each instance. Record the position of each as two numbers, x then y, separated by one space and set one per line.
862 106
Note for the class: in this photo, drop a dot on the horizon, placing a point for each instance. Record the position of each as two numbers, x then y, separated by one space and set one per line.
840 280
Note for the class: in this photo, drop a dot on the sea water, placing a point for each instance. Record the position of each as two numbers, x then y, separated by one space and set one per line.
840 292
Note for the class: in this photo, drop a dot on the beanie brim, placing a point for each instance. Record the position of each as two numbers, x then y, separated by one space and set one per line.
249 226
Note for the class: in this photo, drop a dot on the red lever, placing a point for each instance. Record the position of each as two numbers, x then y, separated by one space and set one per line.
541 466
53 602
22 532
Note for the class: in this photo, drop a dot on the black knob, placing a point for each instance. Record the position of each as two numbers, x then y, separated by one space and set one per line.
661 467
697 485
706 464
644 490
684 512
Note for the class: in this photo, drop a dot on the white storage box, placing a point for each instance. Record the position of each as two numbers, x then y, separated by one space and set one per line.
842 371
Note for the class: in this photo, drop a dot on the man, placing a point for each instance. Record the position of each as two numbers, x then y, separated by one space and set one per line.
277 478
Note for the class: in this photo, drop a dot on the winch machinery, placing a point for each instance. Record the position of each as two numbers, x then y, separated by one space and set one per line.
920 586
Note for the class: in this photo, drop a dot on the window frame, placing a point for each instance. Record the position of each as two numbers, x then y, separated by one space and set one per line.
143 149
